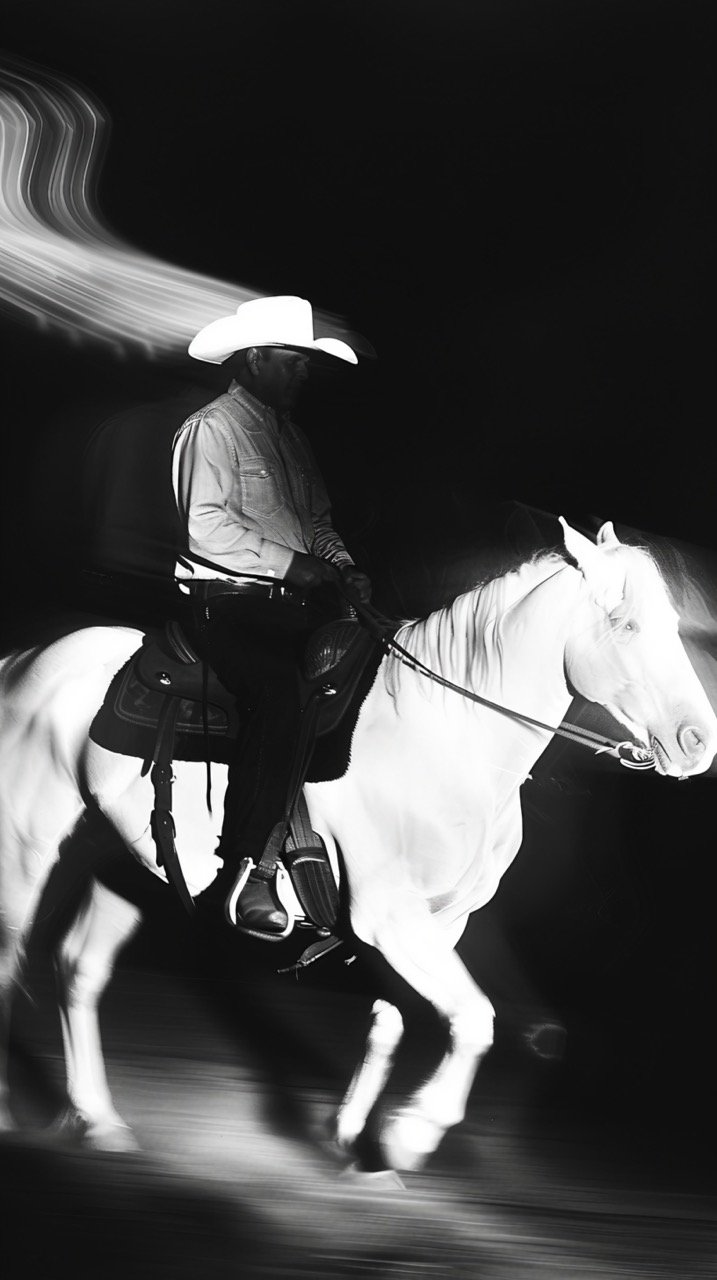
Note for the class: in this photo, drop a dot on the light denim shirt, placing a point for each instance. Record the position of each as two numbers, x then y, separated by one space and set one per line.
248 491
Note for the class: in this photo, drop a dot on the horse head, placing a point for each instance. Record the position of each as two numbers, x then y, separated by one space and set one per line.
625 652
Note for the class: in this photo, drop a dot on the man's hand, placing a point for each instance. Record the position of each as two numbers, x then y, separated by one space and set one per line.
308 572
357 581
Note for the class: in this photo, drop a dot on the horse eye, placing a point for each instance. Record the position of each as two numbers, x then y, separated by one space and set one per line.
624 626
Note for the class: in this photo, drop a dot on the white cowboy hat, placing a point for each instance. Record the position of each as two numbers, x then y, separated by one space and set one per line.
266 322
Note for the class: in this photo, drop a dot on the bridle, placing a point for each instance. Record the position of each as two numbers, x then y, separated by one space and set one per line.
628 753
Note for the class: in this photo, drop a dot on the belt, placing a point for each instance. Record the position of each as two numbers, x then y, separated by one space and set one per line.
209 588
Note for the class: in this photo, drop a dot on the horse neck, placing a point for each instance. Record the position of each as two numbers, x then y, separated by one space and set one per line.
505 640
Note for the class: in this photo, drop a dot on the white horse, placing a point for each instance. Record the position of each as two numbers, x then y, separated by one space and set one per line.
424 821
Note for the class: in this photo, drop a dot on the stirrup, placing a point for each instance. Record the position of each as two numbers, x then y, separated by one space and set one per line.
246 866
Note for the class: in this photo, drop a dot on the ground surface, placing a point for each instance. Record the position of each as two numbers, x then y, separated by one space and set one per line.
234 1177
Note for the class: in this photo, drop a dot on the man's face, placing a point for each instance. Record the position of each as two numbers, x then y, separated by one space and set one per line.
280 376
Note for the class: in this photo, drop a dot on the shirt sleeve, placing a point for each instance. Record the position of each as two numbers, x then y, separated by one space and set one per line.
207 492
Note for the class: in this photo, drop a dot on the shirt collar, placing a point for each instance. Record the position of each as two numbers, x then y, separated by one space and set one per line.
245 398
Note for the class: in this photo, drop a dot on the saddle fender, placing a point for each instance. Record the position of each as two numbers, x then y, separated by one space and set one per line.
166 696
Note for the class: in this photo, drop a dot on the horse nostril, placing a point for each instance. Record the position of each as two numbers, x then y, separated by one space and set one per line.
691 741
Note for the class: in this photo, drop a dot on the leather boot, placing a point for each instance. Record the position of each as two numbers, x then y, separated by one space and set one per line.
258 909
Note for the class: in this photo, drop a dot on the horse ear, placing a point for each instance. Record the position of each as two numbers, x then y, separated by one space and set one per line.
600 573
579 547
606 536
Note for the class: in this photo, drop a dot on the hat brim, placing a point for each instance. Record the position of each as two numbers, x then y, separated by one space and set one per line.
217 341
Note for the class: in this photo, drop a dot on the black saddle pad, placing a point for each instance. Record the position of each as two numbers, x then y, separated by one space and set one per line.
128 718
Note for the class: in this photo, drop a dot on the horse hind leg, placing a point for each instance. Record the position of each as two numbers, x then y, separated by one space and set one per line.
10 957
84 963
24 870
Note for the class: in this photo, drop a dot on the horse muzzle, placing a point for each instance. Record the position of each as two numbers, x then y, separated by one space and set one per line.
692 752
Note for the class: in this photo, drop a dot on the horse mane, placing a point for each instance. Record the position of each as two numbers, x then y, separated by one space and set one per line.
454 638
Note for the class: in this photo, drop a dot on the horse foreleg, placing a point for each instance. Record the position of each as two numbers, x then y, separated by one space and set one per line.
400 925
416 1129
84 963
370 1076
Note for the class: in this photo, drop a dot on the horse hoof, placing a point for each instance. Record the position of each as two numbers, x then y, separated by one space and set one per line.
112 1137
408 1140
378 1179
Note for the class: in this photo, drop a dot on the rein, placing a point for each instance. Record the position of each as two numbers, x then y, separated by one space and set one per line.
628 753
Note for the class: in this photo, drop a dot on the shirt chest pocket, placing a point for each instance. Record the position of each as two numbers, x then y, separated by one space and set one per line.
261 492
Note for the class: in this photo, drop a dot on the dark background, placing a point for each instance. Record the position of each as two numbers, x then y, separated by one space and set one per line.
511 199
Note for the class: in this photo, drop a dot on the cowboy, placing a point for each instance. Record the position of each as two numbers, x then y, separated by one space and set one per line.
259 547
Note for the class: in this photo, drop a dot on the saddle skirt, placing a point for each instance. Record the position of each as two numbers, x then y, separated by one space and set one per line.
166 704
340 659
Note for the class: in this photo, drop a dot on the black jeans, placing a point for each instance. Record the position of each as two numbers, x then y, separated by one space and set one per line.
254 646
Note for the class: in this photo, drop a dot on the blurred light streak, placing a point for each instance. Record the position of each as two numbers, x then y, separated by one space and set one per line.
61 265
